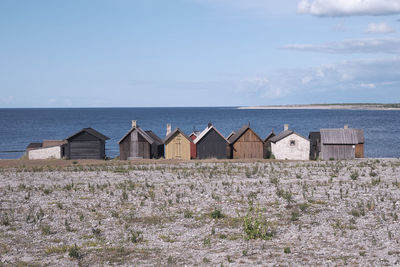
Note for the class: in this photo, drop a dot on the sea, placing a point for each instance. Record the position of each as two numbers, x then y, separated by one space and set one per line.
19 127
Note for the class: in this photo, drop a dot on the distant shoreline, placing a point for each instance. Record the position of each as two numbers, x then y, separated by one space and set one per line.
330 106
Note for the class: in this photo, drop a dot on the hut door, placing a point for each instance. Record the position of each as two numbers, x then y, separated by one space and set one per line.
178 147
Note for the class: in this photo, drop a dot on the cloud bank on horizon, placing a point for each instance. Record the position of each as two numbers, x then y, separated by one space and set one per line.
349 7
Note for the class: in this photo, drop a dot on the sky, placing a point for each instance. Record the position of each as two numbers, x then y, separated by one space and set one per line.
181 53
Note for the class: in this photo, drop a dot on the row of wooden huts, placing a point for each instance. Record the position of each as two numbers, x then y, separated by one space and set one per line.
137 143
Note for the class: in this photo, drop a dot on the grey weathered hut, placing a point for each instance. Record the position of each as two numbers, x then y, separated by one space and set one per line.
267 145
245 144
315 145
211 144
342 143
139 144
86 144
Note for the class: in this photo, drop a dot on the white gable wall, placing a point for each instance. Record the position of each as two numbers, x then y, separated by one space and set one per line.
45 153
284 150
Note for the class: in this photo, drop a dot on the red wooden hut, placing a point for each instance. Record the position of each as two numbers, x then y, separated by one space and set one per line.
193 136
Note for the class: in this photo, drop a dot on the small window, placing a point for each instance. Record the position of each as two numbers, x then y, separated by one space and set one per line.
292 142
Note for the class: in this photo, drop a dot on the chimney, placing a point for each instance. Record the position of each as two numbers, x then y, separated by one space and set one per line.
286 127
346 126
168 128
133 124
209 124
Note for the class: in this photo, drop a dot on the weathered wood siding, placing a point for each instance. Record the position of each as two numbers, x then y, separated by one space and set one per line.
85 149
124 148
359 151
337 152
85 146
178 147
248 146
212 145
139 147
315 145
134 146
267 150
157 151
283 149
193 153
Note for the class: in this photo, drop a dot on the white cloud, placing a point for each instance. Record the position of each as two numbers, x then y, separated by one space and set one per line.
342 79
260 86
349 7
378 28
368 85
371 45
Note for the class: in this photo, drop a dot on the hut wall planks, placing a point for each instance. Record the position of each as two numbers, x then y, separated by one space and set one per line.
249 145
212 145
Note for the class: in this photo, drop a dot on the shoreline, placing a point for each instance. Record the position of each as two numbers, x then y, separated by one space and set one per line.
60 164
326 107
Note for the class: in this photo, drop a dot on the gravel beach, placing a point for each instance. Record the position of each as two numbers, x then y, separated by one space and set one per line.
202 213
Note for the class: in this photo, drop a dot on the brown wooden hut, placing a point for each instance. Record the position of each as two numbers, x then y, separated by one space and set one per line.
177 145
342 143
246 144
211 144
86 144
139 144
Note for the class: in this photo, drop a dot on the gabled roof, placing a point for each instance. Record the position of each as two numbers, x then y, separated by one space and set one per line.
230 136
91 132
141 132
239 133
283 135
205 132
269 136
34 145
172 134
155 137
342 136
195 133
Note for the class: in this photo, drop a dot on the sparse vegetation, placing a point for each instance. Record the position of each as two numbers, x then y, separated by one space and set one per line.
202 213
255 225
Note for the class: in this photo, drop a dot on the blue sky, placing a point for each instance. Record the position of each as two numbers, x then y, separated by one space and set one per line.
147 53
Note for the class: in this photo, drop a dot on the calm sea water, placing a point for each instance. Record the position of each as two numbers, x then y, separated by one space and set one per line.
19 127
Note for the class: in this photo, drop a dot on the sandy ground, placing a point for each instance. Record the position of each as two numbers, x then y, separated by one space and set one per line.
331 213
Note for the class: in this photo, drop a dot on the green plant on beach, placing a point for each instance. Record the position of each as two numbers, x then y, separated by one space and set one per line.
217 214
354 175
74 252
255 225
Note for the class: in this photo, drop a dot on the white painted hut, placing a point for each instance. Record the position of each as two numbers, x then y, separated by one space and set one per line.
290 145
49 149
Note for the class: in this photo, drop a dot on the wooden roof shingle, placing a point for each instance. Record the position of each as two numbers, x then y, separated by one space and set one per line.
141 132
233 138
90 131
342 136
